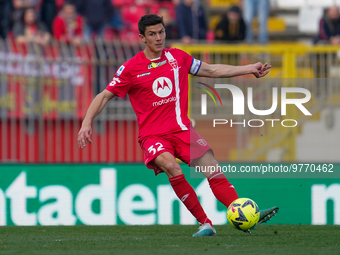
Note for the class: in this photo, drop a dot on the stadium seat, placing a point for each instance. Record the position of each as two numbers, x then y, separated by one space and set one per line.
145 3
223 3
131 15
276 24
120 3
129 35
154 8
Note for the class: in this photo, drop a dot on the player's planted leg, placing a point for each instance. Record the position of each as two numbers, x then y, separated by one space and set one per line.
205 229
187 195
185 192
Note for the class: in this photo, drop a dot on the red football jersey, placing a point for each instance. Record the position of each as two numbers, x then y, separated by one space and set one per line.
158 90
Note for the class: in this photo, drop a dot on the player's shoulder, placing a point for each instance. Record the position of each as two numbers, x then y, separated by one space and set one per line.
136 59
129 65
123 68
181 56
177 51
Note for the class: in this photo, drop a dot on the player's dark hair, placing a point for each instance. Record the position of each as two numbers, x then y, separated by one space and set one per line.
149 20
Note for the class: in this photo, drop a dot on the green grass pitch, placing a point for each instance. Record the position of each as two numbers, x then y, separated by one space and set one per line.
157 239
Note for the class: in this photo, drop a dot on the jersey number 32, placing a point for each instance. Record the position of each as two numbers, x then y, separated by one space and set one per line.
154 150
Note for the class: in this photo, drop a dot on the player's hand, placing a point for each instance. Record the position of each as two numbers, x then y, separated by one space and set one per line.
335 40
186 39
84 136
260 70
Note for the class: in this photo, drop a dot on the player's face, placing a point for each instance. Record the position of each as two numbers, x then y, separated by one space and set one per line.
154 38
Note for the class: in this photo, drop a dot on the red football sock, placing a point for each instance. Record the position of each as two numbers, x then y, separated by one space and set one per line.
222 189
189 198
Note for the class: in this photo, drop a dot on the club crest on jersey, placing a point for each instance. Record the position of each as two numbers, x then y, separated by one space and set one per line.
154 65
202 142
162 87
173 63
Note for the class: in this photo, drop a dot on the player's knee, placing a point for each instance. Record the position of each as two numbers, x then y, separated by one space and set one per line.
214 162
206 160
172 168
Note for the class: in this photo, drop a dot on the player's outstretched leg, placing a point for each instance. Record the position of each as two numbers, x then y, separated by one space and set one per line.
223 190
267 214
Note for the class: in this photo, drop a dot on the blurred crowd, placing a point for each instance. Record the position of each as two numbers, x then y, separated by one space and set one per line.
79 21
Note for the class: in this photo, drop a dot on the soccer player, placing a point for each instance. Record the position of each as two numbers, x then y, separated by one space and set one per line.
156 80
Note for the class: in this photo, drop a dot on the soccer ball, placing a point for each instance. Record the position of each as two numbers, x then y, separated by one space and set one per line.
243 213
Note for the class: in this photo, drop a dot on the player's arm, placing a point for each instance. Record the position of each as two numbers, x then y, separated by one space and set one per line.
225 71
94 109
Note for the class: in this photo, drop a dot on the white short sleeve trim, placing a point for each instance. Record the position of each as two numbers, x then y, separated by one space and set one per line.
195 66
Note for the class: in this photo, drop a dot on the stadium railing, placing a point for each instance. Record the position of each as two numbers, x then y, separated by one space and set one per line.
44 94
45 91
316 68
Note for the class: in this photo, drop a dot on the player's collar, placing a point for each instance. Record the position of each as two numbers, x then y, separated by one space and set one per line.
155 59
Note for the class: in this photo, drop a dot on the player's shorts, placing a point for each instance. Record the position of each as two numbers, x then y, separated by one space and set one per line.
185 145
